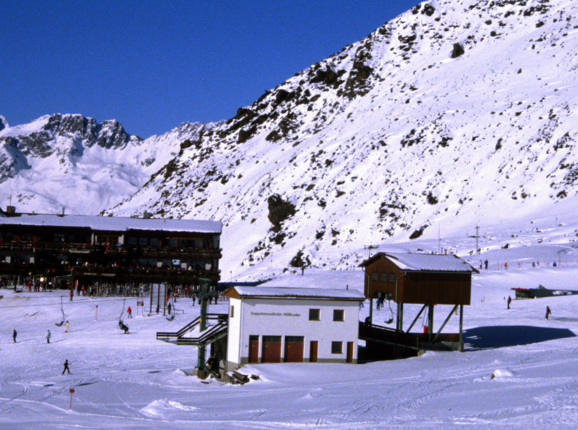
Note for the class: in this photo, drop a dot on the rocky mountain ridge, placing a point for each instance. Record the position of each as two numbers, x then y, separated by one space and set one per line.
77 163
452 115
455 113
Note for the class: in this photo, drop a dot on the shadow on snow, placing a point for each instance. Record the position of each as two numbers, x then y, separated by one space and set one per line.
503 336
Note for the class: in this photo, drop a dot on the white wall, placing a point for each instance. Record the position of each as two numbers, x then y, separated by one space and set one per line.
279 317
234 334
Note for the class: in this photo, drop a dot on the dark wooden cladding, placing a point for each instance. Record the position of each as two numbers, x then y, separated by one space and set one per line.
109 255
436 288
443 288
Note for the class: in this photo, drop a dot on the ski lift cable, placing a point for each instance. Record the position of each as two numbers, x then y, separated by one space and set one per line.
80 302
63 314
123 306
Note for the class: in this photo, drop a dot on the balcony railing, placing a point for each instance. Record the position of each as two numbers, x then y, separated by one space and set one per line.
122 250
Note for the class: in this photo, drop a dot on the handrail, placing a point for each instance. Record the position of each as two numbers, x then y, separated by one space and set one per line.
211 332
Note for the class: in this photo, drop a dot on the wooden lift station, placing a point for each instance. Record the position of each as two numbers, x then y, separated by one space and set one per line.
424 279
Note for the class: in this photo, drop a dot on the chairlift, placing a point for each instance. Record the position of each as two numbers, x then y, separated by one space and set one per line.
390 320
171 315
122 313
63 315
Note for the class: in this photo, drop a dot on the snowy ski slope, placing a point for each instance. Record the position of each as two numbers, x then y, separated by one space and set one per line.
133 381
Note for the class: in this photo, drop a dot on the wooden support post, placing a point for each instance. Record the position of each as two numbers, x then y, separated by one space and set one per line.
461 328
371 311
430 322
416 318
455 308
399 317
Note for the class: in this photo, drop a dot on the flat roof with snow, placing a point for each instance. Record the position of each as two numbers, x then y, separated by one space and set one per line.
102 223
293 293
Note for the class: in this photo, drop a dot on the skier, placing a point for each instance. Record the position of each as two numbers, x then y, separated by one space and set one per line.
129 312
48 337
509 301
71 294
123 326
548 312
169 308
14 334
66 367
486 264
66 327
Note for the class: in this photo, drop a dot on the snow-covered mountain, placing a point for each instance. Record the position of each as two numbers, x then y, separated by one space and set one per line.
74 162
455 113
452 114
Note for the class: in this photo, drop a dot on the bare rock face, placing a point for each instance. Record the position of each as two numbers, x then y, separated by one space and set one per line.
458 50
3 123
279 210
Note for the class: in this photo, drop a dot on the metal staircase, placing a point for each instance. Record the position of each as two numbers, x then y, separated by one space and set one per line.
211 334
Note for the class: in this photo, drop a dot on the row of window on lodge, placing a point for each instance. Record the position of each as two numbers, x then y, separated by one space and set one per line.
314 314
383 277
114 240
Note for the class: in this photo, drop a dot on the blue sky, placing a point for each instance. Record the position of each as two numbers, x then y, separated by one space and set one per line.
155 64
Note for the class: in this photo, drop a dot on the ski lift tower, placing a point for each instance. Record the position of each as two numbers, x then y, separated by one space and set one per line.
417 279
204 294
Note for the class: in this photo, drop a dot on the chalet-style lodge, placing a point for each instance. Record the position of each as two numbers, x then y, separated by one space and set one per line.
96 249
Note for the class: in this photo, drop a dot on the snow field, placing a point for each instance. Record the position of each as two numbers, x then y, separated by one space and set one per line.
134 381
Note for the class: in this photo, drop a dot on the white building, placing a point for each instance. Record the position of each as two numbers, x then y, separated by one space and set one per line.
274 325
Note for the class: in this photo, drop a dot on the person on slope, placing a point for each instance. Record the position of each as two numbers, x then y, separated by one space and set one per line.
48 336
14 334
66 327
71 294
548 312
66 369
123 326
509 301
129 312
169 308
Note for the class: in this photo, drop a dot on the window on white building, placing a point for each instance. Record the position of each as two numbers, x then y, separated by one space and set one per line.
337 314
313 314
336 347
232 311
